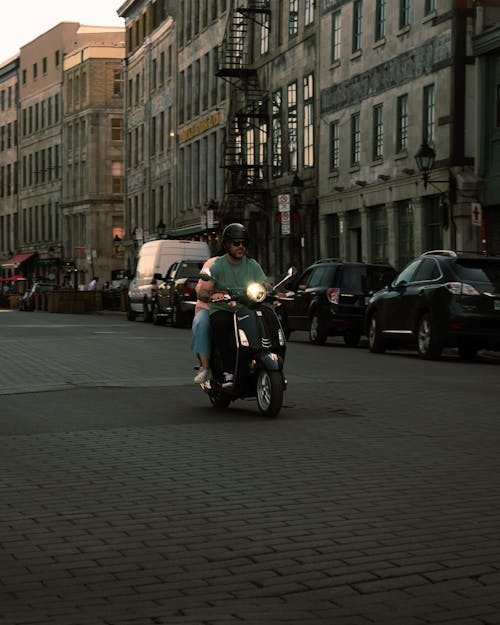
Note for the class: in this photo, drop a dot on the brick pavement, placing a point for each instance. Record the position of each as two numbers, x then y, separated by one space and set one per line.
369 511
341 520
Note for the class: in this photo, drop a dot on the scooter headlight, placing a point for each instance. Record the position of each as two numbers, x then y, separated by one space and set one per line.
256 292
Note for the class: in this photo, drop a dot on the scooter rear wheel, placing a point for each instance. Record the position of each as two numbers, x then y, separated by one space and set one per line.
269 392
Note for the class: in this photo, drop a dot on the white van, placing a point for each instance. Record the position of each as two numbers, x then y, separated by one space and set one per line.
155 257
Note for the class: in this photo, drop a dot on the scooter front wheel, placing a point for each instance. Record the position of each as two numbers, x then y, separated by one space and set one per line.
219 399
270 392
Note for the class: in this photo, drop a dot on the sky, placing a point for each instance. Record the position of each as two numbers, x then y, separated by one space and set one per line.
25 20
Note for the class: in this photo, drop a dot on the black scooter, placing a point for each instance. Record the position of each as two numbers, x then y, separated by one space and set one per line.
260 351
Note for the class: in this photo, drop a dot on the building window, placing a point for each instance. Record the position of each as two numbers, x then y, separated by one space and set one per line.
25 75
380 234
117 83
406 247
404 13
264 34
309 12
428 114
357 25
292 126
116 175
378 132
402 123
380 20
355 139
308 121
334 146
44 65
117 129
293 17
430 5
335 51
277 139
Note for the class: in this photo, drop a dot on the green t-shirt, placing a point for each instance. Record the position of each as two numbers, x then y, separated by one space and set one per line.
229 276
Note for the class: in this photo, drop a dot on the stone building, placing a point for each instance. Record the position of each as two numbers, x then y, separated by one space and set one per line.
9 181
37 226
149 113
92 161
395 77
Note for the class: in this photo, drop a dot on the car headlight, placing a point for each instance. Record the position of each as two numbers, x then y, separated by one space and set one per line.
256 292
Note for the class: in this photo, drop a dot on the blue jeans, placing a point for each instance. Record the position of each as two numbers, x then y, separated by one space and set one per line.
201 337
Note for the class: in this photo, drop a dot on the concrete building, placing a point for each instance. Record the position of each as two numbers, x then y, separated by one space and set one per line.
37 227
394 76
93 149
9 181
150 126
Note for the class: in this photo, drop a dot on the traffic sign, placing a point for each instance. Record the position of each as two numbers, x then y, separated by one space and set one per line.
284 202
476 214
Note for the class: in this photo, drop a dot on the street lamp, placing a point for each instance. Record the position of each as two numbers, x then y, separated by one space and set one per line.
425 159
297 187
160 228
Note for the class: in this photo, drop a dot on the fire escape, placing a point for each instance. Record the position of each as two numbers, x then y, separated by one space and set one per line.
245 145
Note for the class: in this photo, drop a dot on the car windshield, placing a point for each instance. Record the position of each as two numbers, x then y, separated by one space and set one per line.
186 270
478 270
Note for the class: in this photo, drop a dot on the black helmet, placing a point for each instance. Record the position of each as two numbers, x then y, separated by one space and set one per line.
235 231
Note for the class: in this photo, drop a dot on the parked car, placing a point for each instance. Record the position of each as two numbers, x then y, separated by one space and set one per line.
28 300
155 257
441 299
329 299
175 297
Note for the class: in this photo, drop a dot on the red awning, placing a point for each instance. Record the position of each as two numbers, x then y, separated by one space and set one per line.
16 260
15 278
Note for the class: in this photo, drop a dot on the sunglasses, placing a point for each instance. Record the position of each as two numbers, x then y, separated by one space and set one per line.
239 243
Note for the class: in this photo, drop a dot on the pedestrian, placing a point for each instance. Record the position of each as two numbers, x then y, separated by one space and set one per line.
93 284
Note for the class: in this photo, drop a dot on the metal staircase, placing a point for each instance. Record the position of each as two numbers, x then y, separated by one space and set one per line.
243 157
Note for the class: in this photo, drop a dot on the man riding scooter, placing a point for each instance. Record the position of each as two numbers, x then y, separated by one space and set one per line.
233 270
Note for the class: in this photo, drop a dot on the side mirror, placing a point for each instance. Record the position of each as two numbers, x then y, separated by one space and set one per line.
158 276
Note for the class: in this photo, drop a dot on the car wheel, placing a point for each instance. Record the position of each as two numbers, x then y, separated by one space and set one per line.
467 352
147 313
317 330
131 314
428 346
157 319
351 339
376 342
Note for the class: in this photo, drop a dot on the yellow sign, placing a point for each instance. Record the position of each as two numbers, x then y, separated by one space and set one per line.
201 126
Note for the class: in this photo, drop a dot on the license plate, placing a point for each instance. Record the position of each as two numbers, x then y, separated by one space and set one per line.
497 304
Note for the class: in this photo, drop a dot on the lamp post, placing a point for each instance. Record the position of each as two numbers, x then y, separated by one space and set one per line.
297 187
425 159
160 229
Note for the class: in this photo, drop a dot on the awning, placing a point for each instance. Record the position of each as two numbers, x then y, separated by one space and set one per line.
194 229
15 278
16 260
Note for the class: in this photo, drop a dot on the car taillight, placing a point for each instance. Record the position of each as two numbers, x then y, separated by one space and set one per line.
153 285
460 288
333 295
186 291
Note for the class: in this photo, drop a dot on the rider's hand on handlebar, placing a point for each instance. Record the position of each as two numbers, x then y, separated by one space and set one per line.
218 296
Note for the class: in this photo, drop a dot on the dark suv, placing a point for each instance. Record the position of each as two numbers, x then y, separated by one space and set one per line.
441 299
329 299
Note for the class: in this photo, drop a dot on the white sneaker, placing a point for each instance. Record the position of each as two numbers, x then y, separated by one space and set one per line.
202 376
228 380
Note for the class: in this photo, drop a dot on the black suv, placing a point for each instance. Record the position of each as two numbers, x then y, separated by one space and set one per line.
441 299
329 299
